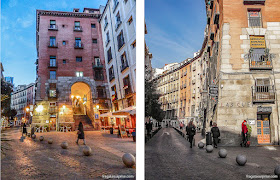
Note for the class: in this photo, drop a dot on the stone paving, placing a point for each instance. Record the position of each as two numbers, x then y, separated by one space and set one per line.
32 159
168 156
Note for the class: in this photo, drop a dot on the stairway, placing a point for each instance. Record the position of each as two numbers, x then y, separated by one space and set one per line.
85 120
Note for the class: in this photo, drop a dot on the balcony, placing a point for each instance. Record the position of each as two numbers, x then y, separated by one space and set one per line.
52 110
78 28
193 81
53 27
53 65
78 45
99 78
260 61
255 22
263 94
98 65
124 66
208 17
118 25
251 2
211 3
53 45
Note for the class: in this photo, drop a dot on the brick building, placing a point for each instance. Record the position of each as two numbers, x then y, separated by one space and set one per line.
71 84
244 60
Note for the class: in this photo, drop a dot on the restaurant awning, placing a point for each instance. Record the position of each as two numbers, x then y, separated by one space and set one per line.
126 111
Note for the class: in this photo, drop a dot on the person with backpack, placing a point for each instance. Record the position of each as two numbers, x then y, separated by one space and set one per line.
216 134
244 133
191 131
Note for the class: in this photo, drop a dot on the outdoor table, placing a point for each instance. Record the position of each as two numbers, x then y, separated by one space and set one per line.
68 129
44 129
61 129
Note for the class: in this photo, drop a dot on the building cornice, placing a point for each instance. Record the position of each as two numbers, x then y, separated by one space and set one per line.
67 14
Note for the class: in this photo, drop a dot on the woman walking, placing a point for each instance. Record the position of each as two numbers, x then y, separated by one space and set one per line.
80 133
24 131
216 134
191 132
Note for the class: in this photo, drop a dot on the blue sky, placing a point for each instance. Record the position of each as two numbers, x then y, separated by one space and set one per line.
175 29
18 33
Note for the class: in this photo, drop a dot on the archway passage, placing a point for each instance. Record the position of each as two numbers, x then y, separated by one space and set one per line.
80 95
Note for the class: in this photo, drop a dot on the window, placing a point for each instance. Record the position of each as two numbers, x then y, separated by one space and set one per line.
126 85
116 2
52 41
118 20
77 25
78 42
52 74
111 73
254 18
79 59
109 55
52 24
120 40
63 42
105 22
64 61
93 26
79 73
97 61
52 61
124 62
107 37
101 92
94 41
98 74
133 44
125 1
52 93
130 20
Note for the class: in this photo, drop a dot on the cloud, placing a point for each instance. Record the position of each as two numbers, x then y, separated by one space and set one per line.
12 3
25 22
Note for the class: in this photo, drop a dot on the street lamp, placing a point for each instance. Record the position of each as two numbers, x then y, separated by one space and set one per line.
97 107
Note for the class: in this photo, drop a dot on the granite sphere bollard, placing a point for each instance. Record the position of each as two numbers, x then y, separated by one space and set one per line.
277 170
50 141
223 153
33 136
87 151
41 138
200 145
64 145
209 148
128 159
241 160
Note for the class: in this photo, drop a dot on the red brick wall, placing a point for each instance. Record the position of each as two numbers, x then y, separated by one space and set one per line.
67 51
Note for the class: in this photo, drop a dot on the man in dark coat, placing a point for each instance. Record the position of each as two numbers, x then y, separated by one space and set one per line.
216 134
191 132
80 133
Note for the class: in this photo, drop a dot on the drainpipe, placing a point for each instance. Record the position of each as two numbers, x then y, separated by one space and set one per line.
276 106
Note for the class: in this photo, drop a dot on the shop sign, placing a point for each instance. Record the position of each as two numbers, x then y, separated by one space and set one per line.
257 42
52 116
213 90
264 109
251 121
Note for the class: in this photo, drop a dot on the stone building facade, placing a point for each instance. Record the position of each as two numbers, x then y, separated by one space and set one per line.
71 84
118 26
244 60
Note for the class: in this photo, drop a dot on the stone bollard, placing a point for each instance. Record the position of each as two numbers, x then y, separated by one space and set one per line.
128 159
223 153
33 136
87 151
64 145
41 138
200 145
50 141
277 170
241 160
209 148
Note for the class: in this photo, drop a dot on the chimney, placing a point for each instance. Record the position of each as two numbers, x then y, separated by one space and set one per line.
76 10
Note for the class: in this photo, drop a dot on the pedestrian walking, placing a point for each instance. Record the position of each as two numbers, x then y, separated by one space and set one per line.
80 133
216 134
244 133
24 131
191 131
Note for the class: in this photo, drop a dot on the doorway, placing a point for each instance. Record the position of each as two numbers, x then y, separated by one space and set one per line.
263 128
81 96
52 124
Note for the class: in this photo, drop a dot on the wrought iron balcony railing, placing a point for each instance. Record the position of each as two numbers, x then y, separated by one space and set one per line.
260 61
263 94
53 27
78 28
78 45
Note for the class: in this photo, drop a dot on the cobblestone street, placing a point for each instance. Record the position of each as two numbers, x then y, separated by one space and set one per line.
32 159
168 156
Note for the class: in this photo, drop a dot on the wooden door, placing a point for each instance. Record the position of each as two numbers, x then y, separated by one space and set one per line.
263 131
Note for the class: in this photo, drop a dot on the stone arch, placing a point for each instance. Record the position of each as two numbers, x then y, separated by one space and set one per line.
81 96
